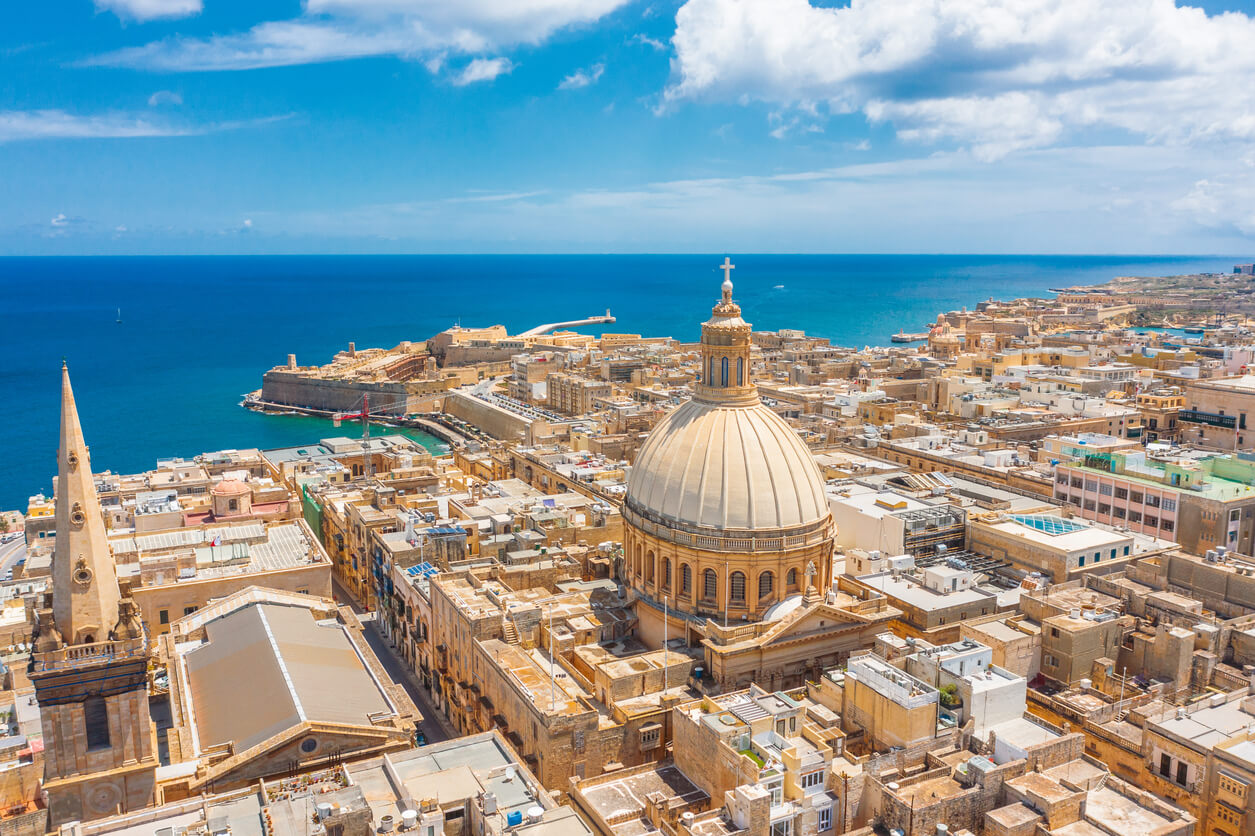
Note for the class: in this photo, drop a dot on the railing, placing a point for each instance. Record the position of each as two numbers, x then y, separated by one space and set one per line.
733 541
1211 419
72 655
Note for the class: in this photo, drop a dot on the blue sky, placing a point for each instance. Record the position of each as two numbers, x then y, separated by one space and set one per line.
216 126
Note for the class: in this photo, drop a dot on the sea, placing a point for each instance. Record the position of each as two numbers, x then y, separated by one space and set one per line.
162 349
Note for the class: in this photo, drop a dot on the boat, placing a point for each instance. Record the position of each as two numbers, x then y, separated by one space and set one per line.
903 337
119 315
1193 329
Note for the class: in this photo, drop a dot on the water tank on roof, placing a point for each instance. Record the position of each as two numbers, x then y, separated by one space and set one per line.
514 818
535 814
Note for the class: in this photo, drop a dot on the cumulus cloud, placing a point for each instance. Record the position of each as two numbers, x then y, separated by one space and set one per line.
336 30
144 10
996 75
583 78
483 69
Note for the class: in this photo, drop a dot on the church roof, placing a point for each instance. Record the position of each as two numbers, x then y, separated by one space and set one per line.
727 467
268 667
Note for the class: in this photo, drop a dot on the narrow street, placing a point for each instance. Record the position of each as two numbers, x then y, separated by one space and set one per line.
434 726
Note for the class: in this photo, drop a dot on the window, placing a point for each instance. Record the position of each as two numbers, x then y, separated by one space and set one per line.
1049 660
233 505
1169 504
189 610
1136 496
1167 525
96 720
1081 562
740 371
1126 551
1089 505
1122 493
710 585
1152 522
813 779
724 372
666 573
766 582
1233 515
1135 516
1104 489
1104 508
1152 500
825 817
163 616
1183 772
1118 512
650 560
686 579
738 587
792 578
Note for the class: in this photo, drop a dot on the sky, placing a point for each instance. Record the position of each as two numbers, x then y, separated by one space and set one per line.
468 126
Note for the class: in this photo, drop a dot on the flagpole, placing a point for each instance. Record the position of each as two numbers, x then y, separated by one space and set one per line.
665 649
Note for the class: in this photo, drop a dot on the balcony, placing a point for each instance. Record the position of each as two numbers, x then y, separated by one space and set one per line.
1210 419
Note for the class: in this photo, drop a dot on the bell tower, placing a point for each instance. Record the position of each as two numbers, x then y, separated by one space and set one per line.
726 343
90 665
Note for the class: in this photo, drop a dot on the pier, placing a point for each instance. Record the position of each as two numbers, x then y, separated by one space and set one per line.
553 326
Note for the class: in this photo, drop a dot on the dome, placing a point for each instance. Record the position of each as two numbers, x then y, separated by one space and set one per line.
230 487
723 466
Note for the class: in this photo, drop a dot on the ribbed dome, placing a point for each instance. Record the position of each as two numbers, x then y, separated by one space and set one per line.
727 467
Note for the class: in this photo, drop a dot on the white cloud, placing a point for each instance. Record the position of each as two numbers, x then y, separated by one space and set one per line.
645 40
143 10
19 125
336 30
60 220
58 124
483 69
583 78
164 97
1000 75
1100 199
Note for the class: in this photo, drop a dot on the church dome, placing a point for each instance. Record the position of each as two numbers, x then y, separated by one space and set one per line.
724 460
230 487
724 466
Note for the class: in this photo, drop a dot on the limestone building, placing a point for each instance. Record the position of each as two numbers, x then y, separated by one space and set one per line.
725 514
90 667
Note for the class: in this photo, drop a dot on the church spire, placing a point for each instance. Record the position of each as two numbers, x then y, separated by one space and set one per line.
84 578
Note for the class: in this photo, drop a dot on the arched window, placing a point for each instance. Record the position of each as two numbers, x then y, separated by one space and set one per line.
740 371
710 585
766 582
710 377
738 587
792 579
724 376
686 579
649 567
666 573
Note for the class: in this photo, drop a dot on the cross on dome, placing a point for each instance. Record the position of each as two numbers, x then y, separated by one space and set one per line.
727 267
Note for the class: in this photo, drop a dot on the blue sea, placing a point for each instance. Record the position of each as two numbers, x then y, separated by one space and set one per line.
198 332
